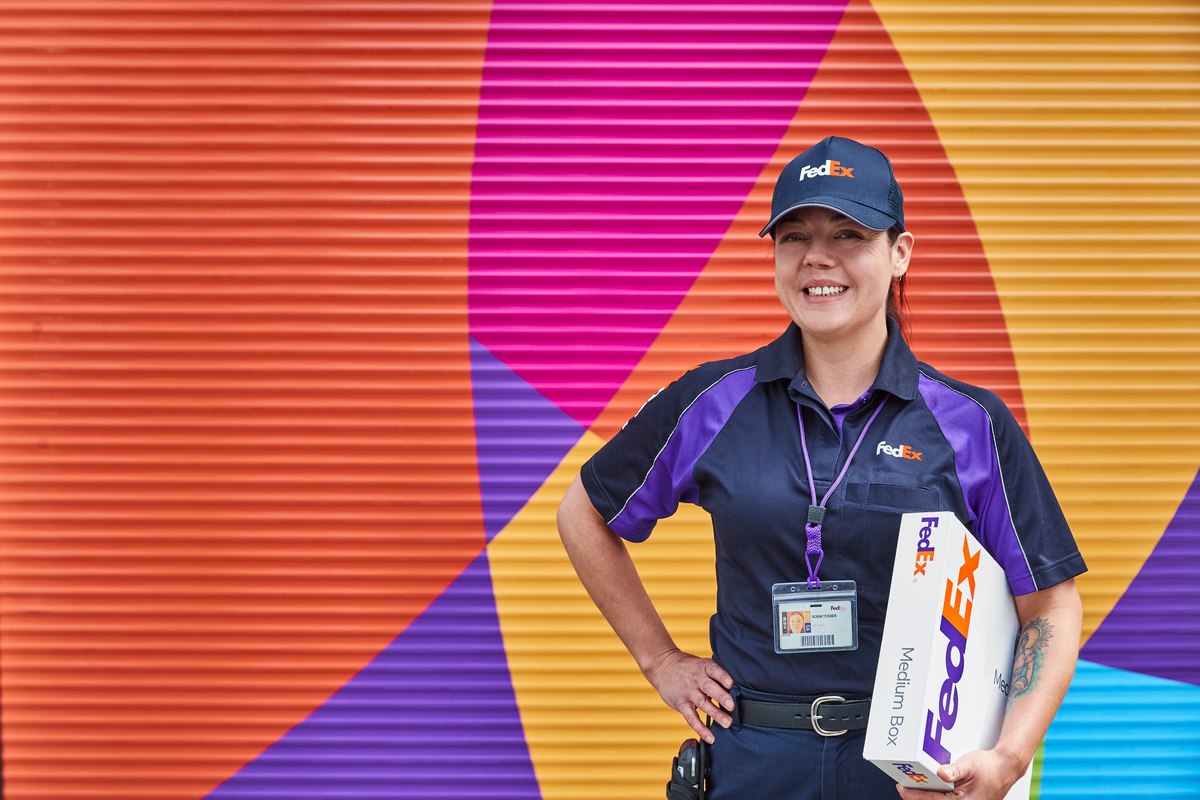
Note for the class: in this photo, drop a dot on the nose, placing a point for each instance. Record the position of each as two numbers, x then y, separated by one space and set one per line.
818 253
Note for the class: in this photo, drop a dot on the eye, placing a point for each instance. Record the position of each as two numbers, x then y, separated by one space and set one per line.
850 234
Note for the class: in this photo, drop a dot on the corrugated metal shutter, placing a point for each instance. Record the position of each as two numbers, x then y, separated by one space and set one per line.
236 434
1075 131
565 663
237 451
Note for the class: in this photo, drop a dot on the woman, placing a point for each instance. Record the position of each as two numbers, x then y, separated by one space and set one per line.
806 452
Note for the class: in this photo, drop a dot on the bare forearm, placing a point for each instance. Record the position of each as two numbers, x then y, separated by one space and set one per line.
610 577
1047 648
685 682
1044 662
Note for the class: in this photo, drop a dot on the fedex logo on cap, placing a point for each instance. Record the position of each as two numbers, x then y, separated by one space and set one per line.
828 168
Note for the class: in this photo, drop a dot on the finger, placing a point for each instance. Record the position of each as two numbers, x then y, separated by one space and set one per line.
961 770
708 707
717 692
718 674
689 716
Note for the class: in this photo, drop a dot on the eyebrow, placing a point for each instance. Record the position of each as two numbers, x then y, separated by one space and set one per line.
835 219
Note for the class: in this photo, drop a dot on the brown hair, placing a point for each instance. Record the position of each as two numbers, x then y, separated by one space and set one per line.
897 303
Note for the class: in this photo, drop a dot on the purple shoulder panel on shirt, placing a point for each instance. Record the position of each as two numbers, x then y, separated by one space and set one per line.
968 428
669 481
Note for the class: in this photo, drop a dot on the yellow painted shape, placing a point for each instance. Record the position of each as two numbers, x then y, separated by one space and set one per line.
592 722
1075 133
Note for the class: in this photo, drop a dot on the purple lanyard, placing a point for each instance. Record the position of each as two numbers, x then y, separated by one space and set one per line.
816 511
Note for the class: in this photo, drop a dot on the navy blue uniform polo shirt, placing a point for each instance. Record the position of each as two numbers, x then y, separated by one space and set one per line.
726 437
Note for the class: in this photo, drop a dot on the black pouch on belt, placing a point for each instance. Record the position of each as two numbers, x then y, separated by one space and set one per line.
689 771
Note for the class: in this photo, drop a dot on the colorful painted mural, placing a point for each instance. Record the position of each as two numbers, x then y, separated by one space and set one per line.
313 310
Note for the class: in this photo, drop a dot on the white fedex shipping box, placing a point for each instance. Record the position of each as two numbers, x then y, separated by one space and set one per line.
946 659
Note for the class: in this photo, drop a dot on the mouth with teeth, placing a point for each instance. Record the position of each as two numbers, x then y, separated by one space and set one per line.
824 291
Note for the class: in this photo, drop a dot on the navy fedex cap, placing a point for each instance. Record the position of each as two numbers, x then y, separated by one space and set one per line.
843 175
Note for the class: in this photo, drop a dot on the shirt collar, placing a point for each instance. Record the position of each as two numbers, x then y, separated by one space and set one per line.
784 359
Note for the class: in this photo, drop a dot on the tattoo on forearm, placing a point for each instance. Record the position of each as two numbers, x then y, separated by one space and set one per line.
1027 660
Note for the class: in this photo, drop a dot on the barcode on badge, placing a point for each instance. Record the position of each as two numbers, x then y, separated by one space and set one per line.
819 640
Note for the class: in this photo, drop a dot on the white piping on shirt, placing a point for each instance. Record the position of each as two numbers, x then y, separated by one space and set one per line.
672 434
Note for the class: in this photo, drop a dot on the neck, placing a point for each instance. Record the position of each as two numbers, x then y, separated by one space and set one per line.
842 371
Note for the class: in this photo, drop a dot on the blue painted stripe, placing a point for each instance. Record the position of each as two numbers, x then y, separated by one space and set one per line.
1097 747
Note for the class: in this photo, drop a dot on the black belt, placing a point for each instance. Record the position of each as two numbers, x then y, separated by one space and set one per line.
828 715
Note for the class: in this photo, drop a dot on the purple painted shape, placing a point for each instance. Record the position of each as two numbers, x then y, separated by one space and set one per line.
520 437
432 716
670 481
1154 628
965 423
616 142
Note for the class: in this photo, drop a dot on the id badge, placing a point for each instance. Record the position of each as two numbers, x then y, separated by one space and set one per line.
815 620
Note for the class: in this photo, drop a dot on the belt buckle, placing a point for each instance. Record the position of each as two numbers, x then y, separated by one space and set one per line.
815 716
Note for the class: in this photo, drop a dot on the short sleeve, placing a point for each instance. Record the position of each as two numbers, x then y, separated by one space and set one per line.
646 470
1014 512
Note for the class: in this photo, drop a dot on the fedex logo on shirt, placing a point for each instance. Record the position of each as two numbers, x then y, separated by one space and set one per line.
899 451
828 168
924 547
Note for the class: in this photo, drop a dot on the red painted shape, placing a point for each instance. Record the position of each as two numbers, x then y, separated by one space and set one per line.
237 451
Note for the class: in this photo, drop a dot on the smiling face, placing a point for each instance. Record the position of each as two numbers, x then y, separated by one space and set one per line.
833 275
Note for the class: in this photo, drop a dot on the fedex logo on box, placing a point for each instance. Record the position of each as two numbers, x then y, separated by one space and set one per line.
912 772
944 698
924 548
956 625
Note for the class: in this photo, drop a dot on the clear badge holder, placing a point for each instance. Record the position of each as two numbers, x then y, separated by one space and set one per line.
815 620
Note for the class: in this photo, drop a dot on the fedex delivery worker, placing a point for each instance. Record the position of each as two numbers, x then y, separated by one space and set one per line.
806 452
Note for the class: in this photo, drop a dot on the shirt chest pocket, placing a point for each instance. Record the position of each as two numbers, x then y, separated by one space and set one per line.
871 524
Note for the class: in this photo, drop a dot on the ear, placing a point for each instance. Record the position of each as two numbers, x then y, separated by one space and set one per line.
901 253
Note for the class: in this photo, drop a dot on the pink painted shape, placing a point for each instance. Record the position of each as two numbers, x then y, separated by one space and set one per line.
615 145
